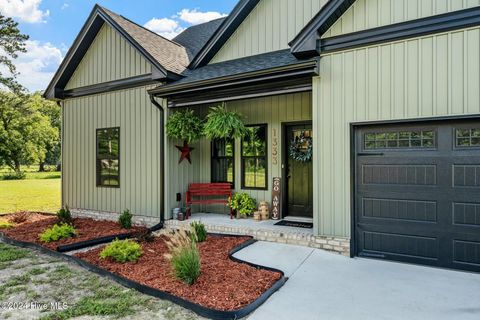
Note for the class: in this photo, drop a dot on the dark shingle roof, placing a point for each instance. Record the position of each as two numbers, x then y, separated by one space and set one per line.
168 54
195 37
238 66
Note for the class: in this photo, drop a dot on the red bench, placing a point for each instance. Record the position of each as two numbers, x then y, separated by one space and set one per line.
210 193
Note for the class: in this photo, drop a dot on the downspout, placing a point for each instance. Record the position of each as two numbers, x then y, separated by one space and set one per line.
162 148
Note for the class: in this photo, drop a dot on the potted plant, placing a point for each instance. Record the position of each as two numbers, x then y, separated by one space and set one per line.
221 124
186 126
243 204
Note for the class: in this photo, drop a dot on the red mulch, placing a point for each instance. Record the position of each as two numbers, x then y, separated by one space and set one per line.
223 284
87 229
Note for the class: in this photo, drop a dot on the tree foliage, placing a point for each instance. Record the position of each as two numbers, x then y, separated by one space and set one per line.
12 42
26 131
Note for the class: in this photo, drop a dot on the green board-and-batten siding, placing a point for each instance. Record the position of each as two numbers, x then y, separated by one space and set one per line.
109 58
368 14
140 155
270 27
273 111
431 76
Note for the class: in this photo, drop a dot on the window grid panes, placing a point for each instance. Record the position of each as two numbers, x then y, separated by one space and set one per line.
400 139
108 157
223 160
467 137
254 158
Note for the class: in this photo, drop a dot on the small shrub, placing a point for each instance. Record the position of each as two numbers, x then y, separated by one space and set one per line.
198 231
14 176
64 216
57 232
19 217
122 251
184 257
125 219
5 224
243 203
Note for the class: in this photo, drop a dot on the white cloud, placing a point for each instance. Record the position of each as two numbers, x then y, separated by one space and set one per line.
37 66
64 6
196 17
165 27
24 10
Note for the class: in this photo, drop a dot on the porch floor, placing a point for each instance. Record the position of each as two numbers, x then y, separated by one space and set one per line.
264 230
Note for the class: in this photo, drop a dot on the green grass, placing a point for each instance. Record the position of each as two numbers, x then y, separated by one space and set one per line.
9 253
30 195
106 301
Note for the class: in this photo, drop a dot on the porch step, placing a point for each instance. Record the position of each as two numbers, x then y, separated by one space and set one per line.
270 233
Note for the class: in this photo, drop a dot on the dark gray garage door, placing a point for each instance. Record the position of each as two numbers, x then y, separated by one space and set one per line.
417 196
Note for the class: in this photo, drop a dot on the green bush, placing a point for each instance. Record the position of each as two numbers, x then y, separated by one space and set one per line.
57 232
198 231
64 216
13 176
122 251
125 219
184 256
243 203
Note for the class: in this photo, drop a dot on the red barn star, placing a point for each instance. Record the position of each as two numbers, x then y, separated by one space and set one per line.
185 150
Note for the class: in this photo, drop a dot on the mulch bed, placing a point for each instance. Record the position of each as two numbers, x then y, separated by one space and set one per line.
87 229
223 284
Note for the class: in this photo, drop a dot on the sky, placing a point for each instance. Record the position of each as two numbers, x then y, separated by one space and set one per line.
53 25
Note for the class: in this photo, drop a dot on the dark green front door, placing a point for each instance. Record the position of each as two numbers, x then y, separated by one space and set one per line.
299 188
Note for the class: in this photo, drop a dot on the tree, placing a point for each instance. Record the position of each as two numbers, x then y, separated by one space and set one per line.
52 111
25 133
11 43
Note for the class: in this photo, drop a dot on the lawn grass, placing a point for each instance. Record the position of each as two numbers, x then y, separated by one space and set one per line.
41 195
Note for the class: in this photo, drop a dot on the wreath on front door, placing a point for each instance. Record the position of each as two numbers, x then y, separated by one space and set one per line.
301 148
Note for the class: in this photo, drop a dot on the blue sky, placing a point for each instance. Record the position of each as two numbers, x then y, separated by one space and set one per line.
53 25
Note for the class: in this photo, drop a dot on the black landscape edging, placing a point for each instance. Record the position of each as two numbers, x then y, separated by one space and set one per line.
102 240
198 309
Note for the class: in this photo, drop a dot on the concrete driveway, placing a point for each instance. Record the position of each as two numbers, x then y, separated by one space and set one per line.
328 286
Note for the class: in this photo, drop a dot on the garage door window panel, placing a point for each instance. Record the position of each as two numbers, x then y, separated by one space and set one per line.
414 139
467 138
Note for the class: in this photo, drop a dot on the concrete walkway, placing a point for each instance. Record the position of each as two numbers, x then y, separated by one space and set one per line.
328 286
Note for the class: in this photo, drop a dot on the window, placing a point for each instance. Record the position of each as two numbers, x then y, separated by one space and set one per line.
467 137
108 157
400 139
223 160
254 158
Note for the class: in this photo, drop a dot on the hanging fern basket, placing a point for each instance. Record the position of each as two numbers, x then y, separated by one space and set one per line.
301 148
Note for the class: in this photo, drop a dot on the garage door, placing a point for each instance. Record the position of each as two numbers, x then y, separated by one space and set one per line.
417 193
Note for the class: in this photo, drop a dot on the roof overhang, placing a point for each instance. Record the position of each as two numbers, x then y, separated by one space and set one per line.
274 81
305 43
82 43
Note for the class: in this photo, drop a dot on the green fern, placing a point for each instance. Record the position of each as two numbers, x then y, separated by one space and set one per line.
185 125
222 124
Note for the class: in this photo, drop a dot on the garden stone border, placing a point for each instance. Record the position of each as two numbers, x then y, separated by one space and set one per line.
198 309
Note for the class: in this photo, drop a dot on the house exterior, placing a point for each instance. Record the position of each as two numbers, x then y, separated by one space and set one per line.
389 92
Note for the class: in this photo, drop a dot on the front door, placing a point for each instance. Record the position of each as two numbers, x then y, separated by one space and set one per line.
298 170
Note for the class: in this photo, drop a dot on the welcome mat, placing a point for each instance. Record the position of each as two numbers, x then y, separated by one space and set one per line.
296 224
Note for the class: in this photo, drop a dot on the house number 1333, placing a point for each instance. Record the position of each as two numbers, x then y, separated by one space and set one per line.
274 147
